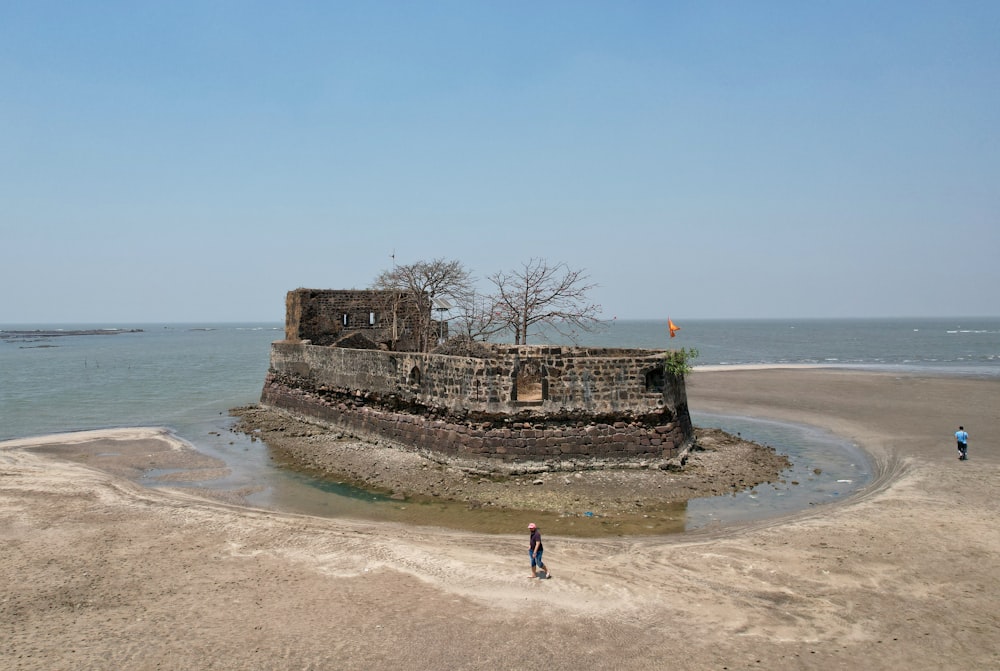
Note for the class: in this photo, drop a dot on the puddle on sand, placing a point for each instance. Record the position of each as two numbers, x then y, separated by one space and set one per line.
825 468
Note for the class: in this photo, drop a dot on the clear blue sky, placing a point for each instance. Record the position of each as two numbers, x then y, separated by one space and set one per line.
193 161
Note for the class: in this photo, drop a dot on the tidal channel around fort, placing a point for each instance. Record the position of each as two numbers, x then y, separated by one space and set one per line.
825 469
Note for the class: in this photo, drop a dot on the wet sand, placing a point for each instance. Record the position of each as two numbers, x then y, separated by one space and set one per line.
100 573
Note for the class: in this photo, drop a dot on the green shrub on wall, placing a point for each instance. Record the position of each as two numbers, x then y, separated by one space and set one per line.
678 362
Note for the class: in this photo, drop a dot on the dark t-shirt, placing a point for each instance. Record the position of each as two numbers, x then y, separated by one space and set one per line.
536 538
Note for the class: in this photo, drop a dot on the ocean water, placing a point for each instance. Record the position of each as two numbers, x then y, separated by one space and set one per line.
968 346
174 375
186 377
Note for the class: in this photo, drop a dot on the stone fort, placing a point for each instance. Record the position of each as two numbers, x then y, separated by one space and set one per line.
349 358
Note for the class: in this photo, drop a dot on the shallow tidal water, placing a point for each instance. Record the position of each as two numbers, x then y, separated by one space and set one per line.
825 469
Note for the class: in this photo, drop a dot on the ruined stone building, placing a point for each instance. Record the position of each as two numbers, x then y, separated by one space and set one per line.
349 358
370 318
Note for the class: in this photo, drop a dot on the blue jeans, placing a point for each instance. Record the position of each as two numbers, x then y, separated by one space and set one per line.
536 559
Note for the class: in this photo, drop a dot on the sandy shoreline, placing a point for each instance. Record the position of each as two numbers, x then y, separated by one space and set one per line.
100 573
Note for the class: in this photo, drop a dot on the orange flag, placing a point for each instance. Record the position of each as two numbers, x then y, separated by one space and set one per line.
674 328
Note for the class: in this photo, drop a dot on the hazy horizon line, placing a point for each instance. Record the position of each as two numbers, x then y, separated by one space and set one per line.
610 321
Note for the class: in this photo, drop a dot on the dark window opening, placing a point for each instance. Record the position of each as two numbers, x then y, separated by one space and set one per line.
655 380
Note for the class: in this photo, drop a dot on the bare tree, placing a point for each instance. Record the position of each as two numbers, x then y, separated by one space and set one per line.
542 293
479 318
404 309
439 278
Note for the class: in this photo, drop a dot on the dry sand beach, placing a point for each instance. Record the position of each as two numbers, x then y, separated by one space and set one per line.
100 573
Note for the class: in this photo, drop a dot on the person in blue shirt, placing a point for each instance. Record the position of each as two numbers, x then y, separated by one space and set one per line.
963 443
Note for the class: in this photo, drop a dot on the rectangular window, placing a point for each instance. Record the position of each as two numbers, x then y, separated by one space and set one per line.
345 319
371 319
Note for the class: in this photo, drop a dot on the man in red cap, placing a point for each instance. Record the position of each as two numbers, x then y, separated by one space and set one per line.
535 550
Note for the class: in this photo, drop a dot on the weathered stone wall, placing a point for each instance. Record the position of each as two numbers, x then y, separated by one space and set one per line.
526 402
323 316
559 379
514 441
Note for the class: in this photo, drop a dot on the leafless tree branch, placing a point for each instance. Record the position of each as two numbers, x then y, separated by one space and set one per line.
439 278
540 293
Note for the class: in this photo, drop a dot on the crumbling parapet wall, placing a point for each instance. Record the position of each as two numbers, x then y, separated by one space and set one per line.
525 402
